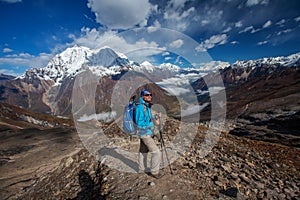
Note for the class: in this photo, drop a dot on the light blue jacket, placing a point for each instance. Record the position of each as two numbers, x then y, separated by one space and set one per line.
143 118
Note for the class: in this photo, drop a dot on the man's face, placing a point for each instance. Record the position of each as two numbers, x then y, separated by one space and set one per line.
147 97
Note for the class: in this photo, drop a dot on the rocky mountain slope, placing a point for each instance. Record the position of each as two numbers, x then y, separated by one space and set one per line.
42 156
49 89
31 144
4 77
262 99
53 164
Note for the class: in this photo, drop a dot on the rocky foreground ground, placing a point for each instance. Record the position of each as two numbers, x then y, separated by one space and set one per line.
61 168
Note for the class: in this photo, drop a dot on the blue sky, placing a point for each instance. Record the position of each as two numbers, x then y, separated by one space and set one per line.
33 31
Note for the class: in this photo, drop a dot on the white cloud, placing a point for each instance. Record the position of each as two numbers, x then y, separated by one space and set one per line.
12 1
176 44
92 38
215 90
238 24
7 50
181 26
168 58
284 31
8 72
177 16
297 19
175 86
234 42
25 59
178 60
106 117
249 29
122 14
192 109
165 53
250 3
210 18
204 22
213 41
156 25
174 9
177 4
188 12
267 24
262 43
282 22
227 30
139 50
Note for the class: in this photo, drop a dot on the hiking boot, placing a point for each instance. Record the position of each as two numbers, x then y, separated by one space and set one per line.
157 176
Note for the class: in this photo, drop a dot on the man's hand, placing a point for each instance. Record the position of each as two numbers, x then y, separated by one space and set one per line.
157 118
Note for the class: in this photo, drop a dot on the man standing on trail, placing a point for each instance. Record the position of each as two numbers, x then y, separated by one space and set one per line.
145 122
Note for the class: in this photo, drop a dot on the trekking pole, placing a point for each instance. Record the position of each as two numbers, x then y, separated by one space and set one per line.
163 145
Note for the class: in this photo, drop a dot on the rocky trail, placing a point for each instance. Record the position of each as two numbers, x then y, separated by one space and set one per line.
236 168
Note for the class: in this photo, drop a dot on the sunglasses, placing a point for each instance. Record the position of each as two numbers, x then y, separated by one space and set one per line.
147 95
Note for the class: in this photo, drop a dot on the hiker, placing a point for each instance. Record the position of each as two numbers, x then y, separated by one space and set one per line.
145 122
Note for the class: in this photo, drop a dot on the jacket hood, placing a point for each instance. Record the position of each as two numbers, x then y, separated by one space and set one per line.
141 100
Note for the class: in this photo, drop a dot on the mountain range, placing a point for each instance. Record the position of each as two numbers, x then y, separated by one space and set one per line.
43 156
256 90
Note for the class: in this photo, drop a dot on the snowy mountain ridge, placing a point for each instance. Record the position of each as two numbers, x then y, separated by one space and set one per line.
289 61
69 63
105 61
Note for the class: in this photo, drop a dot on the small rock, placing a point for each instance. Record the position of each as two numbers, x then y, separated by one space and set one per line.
260 185
234 175
282 196
227 168
199 166
244 178
288 192
250 164
218 183
105 178
69 162
151 183
225 159
230 192
271 194
255 191
143 198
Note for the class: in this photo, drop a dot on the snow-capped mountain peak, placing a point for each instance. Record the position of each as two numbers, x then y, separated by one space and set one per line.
289 61
107 57
105 61
102 61
67 63
146 64
214 66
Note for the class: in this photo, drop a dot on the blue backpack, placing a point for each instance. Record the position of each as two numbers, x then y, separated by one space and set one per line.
129 124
